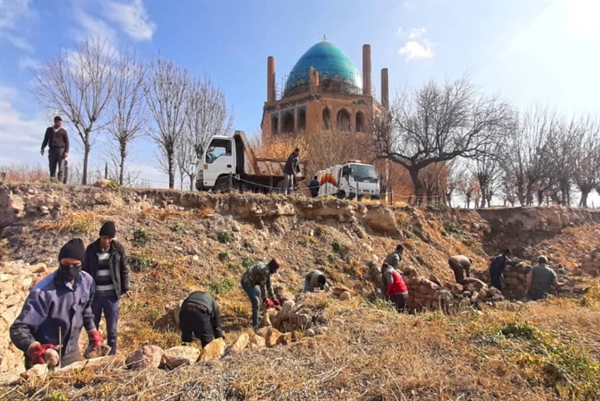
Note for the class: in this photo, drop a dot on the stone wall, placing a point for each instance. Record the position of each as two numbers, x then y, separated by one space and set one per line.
16 278
590 263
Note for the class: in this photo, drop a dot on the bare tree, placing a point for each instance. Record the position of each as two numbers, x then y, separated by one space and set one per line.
127 109
586 157
457 175
79 85
437 124
487 170
166 93
206 115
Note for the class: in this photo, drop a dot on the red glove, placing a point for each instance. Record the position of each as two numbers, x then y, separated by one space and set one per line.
276 302
269 303
95 338
35 352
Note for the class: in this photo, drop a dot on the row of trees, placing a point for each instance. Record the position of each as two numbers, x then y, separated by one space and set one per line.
455 139
113 93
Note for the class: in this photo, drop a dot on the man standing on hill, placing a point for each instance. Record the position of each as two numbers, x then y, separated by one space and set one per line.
393 259
290 170
396 289
106 262
56 310
540 280
57 140
200 315
314 187
460 265
497 268
256 281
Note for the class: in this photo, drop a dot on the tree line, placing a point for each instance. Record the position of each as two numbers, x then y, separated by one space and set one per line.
112 93
455 139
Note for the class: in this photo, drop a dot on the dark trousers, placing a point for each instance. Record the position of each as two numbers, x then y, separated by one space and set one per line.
110 306
459 274
399 301
496 280
55 155
254 296
195 321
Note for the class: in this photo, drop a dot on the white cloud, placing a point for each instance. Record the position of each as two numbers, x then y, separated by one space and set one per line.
416 45
29 63
93 27
14 16
132 17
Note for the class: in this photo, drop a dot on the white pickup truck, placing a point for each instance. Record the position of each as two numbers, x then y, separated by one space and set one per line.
230 163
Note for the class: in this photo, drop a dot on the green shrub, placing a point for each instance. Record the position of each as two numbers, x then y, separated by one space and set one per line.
178 228
224 237
138 264
248 262
141 236
223 256
223 286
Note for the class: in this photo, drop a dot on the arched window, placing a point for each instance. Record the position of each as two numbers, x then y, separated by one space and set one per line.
288 123
343 120
360 122
326 119
274 125
302 120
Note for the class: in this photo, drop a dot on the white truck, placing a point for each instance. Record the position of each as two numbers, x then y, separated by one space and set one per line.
354 179
230 163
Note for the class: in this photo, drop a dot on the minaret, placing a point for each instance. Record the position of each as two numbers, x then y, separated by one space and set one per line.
367 70
385 99
271 79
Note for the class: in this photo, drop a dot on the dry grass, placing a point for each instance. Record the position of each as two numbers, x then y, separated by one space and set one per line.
24 173
75 222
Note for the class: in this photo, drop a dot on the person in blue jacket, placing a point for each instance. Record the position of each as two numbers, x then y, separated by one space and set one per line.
56 310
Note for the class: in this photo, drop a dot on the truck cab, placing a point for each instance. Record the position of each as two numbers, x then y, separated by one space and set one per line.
218 160
351 180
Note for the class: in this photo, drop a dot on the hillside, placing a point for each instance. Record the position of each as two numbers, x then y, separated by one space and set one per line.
179 242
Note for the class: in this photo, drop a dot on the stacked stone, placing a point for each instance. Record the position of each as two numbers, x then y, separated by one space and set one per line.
294 314
15 281
590 263
514 284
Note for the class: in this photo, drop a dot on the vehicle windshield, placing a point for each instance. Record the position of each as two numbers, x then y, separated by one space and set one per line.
364 172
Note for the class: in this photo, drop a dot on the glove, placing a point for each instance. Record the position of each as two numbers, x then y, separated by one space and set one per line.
276 302
42 152
35 352
95 338
269 303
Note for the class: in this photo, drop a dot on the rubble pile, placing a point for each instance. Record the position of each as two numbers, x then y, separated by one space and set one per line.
514 283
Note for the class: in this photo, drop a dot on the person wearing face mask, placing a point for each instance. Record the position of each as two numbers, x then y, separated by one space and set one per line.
106 262
256 281
56 310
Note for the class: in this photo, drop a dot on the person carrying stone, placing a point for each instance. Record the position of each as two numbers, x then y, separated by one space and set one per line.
57 140
106 262
56 310
497 268
290 170
393 259
396 289
200 316
315 279
314 187
461 266
540 280
256 281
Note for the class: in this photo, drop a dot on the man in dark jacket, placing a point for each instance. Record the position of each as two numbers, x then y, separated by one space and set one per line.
58 146
497 268
56 310
314 187
290 170
106 262
256 281
200 315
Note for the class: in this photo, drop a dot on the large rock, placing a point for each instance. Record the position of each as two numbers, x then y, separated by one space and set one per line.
104 364
270 335
149 356
96 352
257 342
213 350
178 356
240 344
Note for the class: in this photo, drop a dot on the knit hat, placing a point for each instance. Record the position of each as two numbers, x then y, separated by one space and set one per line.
108 229
73 249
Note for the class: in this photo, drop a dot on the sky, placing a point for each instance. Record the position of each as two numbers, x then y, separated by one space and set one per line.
530 52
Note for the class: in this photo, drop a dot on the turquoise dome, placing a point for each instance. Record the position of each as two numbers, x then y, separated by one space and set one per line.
337 73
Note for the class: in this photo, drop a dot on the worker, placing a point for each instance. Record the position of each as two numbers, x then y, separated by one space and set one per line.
291 169
56 310
200 315
393 259
461 266
314 187
540 280
396 289
256 281
315 279
497 268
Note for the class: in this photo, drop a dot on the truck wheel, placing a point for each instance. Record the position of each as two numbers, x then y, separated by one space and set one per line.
341 195
222 185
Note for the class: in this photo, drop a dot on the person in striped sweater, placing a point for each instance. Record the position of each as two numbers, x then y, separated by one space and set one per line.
106 262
